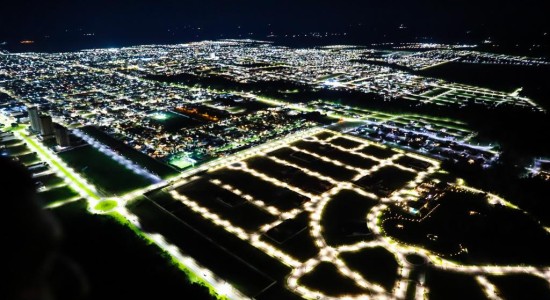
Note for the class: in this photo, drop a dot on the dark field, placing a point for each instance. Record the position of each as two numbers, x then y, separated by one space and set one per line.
290 175
239 105
228 205
102 171
448 285
378 152
245 267
116 263
326 278
28 159
386 180
521 286
346 143
292 237
16 150
324 135
344 220
10 142
336 154
49 180
56 194
281 198
374 264
492 234
313 163
413 163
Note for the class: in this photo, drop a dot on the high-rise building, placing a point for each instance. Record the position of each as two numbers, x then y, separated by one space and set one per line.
46 126
35 119
62 136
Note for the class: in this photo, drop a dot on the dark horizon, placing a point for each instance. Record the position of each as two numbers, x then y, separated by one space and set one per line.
71 25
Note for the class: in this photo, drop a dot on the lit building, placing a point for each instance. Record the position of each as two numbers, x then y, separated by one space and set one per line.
62 136
46 126
34 118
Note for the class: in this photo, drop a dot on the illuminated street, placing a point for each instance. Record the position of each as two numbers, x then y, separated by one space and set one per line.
315 209
259 168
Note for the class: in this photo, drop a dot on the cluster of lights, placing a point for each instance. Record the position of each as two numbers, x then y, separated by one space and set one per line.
374 219
315 207
75 181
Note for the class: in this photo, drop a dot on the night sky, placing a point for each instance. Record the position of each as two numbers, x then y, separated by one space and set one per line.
136 21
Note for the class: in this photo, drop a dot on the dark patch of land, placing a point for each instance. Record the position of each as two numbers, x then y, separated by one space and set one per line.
324 135
48 180
290 175
279 197
56 194
102 171
336 154
344 219
326 279
292 237
110 254
378 152
413 163
245 267
313 163
346 143
28 159
11 141
445 285
374 264
243 105
491 234
521 286
386 180
226 204
507 179
16 149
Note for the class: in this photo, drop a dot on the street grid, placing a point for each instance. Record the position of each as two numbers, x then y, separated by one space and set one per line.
295 180
312 200
318 199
